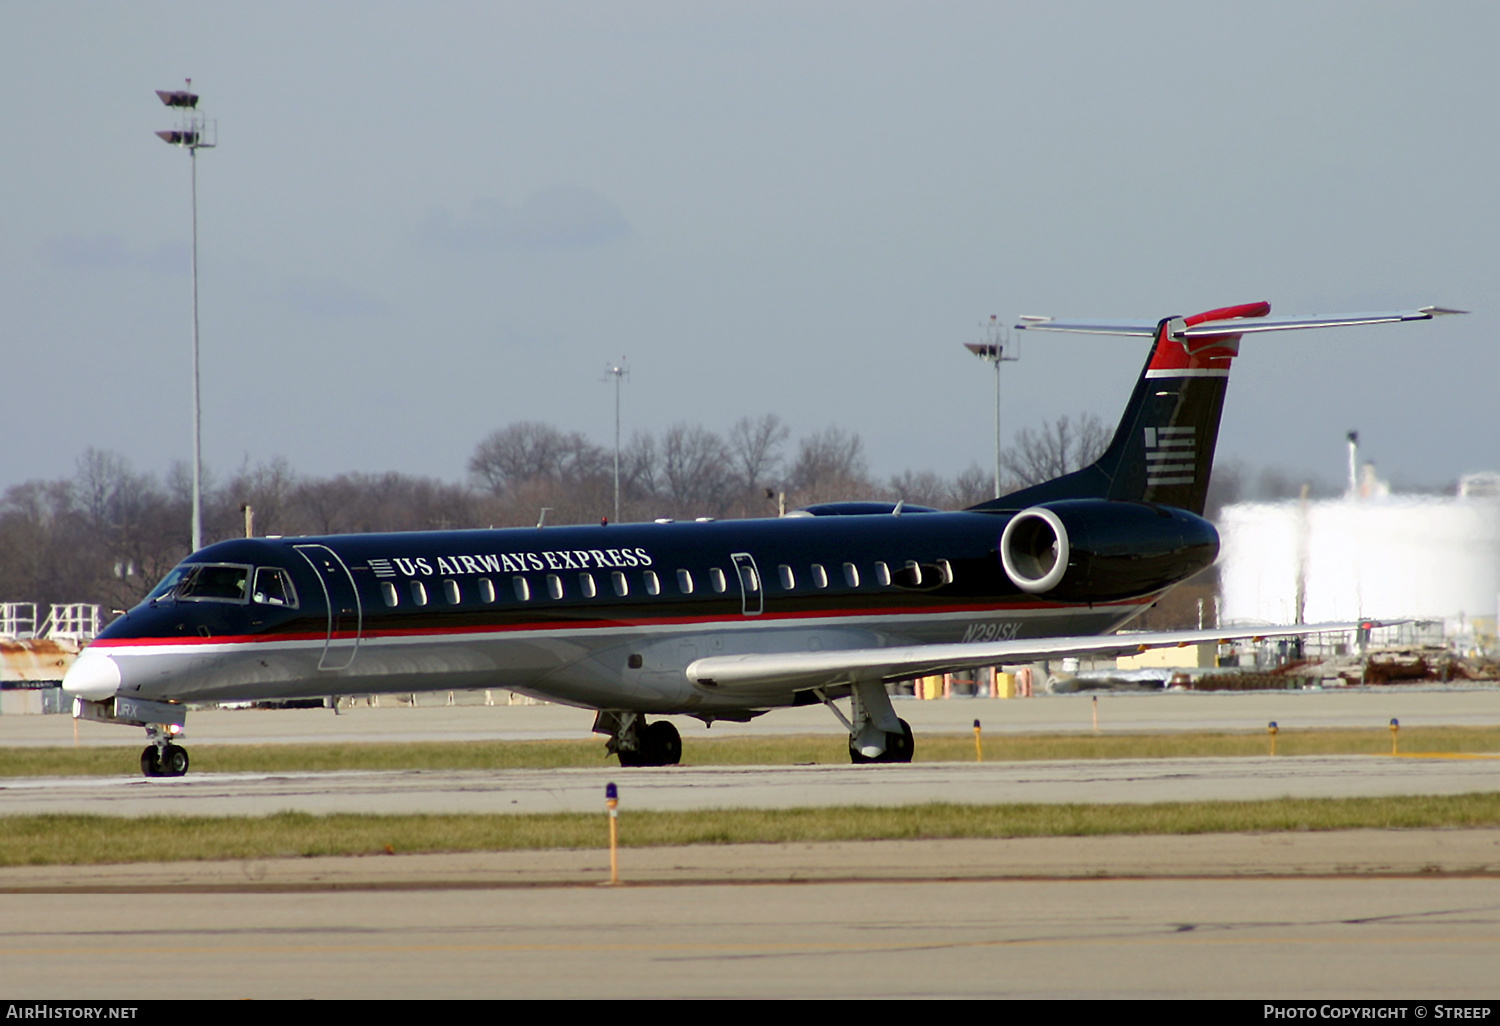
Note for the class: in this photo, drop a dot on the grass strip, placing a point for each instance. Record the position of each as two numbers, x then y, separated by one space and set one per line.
831 749
87 840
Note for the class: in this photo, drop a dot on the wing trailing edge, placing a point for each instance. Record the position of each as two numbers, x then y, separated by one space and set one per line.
803 670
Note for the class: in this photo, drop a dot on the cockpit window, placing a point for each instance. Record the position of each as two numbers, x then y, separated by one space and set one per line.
273 587
169 583
215 583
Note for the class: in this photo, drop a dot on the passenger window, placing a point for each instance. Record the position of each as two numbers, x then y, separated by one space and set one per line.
914 573
523 589
586 585
486 589
621 583
748 578
554 586
450 592
788 579
851 575
819 575
653 583
717 579
273 587
685 581
882 573
389 594
419 593
947 569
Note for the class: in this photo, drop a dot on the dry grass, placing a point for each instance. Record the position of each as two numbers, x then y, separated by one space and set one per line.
83 840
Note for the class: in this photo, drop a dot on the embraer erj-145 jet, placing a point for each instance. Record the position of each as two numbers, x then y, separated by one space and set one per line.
719 620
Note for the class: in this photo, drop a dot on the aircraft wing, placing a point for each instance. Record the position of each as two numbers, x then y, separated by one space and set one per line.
801 670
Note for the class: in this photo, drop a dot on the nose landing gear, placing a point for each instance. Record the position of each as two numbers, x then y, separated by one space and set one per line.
162 758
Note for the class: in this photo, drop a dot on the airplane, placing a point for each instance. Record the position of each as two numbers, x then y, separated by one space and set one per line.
722 620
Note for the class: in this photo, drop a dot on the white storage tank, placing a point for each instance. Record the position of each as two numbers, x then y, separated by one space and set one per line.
1388 556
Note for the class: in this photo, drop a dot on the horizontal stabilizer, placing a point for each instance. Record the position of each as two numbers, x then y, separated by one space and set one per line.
802 670
1248 327
1235 326
1143 329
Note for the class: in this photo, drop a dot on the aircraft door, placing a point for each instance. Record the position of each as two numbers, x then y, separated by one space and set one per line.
752 590
345 612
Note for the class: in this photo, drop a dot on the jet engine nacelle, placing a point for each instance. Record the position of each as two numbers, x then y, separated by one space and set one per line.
1099 550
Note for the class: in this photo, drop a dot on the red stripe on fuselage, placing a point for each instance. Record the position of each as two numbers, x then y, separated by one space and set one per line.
561 625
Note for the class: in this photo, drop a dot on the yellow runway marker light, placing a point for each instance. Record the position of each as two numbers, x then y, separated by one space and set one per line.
1271 729
978 751
1395 726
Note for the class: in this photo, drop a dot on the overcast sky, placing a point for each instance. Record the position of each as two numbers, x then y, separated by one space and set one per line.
425 221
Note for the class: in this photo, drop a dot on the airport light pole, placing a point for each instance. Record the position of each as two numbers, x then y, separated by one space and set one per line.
191 134
617 371
992 349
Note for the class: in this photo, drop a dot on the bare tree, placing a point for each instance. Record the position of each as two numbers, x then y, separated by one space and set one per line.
971 487
527 450
1060 447
755 448
830 466
919 488
266 487
695 470
640 467
46 553
926 488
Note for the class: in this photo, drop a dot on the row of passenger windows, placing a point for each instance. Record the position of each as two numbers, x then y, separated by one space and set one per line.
450 591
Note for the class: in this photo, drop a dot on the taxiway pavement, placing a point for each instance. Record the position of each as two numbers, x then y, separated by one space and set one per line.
468 719
1374 914
682 788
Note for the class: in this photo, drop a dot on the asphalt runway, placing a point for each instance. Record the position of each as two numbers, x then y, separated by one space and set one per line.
1257 939
1399 915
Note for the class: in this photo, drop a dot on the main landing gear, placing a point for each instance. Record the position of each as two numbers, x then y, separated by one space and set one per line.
898 747
638 743
876 734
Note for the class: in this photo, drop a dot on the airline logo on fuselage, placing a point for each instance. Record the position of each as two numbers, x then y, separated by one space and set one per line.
510 562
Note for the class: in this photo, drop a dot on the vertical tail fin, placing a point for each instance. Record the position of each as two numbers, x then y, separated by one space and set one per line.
1163 450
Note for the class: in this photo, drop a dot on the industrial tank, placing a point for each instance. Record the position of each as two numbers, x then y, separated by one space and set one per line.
1386 556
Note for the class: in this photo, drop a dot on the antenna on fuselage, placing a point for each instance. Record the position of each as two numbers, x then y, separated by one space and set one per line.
541 521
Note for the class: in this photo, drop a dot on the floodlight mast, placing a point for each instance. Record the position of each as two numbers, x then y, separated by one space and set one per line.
192 133
992 349
617 371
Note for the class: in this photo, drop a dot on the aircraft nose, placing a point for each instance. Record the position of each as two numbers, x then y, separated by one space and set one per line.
93 675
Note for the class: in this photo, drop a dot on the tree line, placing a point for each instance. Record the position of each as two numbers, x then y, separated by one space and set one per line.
108 533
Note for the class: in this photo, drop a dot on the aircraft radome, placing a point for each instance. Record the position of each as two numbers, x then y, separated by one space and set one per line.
721 620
